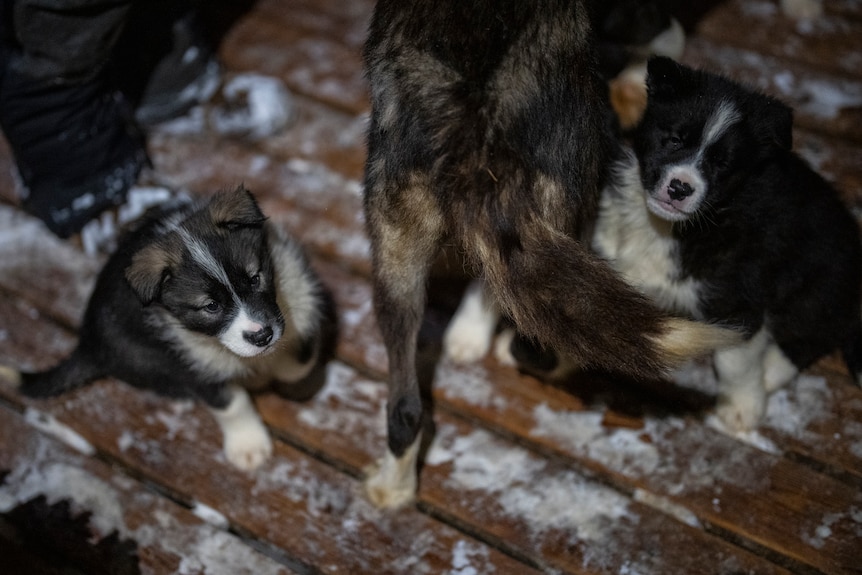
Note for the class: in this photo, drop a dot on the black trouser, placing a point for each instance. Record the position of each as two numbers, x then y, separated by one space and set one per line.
75 145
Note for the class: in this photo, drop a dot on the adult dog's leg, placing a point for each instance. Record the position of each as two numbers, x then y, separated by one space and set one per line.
405 227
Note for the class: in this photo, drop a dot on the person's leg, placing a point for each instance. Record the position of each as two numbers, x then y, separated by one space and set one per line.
75 145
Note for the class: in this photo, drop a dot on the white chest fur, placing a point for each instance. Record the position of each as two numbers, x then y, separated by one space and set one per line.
640 245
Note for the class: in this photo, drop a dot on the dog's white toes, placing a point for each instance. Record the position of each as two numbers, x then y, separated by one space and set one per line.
249 447
391 482
382 493
740 413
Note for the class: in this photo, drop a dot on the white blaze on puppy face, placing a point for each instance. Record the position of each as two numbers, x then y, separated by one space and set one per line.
683 186
234 336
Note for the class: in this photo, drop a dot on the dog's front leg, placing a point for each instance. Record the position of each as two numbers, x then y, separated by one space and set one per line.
246 441
403 247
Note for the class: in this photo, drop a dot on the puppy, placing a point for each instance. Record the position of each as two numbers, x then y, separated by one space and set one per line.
203 300
491 130
713 216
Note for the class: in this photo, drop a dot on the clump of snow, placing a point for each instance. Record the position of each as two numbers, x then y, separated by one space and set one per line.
210 515
794 408
525 489
817 535
59 475
177 419
668 507
470 383
344 387
48 424
58 481
582 432
462 558
257 106
751 437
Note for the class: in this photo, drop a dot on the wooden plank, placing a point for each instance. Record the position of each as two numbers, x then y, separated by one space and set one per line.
177 446
827 43
721 481
823 102
318 205
272 42
35 263
542 510
123 526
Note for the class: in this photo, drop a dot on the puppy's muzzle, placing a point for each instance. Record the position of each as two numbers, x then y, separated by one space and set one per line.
260 338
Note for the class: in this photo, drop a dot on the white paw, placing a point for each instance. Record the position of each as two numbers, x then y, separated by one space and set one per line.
383 492
741 411
391 482
466 342
247 446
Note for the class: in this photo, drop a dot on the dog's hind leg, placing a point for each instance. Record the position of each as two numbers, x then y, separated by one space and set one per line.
406 229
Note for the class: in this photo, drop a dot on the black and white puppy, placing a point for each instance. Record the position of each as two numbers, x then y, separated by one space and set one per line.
202 300
714 216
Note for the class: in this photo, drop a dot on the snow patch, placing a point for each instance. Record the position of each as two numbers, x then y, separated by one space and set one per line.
469 383
525 489
48 424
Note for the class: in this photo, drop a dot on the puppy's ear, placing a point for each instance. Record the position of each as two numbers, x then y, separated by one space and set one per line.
665 77
235 209
148 270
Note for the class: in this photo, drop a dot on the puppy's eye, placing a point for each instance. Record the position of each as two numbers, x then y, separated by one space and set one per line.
673 141
212 306
254 280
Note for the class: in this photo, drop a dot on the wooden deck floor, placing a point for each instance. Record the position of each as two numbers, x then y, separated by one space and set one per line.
520 477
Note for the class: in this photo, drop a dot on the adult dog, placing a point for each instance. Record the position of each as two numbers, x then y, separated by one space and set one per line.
490 129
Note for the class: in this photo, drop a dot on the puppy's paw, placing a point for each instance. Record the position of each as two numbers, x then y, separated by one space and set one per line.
248 446
465 341
740 411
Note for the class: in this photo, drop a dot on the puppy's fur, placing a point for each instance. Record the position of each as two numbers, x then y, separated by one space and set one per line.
202 300
490 129
714 216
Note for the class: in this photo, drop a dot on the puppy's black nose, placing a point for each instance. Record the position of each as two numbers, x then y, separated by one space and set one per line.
259 338
679 190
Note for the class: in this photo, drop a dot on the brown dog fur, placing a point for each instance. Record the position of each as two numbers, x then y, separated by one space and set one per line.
491 129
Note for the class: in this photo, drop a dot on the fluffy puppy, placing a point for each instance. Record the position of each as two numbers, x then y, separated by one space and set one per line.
491 131
714 216
203 300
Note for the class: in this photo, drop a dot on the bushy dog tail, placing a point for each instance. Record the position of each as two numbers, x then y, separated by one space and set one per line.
571 301
72 373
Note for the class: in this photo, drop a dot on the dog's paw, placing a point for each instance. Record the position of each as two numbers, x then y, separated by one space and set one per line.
384 490
503 348
247 447
466 341
740 412
391 482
